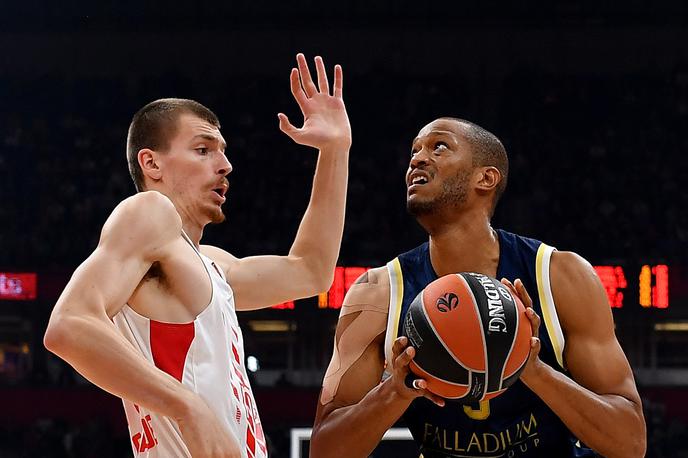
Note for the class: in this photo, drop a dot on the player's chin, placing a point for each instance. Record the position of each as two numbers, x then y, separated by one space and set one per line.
216 215
417 206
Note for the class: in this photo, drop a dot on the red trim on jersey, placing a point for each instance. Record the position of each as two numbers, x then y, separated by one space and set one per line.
170 343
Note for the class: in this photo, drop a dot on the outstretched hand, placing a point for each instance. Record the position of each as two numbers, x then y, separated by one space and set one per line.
325 121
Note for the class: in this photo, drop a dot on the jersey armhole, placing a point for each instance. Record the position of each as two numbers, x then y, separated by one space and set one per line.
396 296
549 309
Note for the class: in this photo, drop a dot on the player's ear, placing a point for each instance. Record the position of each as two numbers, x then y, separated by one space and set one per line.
489 178
148 160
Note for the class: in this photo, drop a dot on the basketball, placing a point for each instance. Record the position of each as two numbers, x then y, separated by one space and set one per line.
471 335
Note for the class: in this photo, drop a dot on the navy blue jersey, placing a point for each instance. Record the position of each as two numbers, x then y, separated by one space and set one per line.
517 423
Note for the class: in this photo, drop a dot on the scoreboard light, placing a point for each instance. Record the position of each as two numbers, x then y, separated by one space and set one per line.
656 295
284 306
18 286
613 280
653 286
344 277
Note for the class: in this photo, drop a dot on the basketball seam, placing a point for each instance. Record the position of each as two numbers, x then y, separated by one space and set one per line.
482 333
513 343
429 321
445 381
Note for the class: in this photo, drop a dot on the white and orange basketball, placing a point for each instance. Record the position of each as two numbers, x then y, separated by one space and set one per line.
471 335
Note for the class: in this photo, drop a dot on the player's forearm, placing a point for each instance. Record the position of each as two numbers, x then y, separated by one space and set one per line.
355 431
610 424
319 236
97 351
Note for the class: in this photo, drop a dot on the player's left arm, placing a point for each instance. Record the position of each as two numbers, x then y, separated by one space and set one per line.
600 405
308 269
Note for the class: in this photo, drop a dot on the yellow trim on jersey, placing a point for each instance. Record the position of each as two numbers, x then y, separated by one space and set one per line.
396 297
549 310
400 295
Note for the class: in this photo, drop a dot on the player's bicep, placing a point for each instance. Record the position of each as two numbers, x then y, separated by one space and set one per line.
262 281
103 282
592 353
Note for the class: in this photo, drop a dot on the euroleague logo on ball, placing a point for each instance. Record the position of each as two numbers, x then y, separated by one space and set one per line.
447 302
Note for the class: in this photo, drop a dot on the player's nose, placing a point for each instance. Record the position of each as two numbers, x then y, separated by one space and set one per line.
224 167
420 158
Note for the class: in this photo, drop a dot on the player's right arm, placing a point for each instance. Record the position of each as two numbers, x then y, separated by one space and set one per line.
355 409
81 332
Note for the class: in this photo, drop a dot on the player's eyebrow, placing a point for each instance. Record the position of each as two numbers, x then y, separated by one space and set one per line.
212 138
435 133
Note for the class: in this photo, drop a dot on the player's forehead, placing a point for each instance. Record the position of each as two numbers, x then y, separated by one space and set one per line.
442 126
191 127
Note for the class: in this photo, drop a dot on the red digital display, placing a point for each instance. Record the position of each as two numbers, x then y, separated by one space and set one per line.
344 277
654 295
18 286
653 284
660 292
284 306
613 280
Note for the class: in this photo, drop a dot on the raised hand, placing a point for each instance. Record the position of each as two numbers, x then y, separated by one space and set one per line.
325 122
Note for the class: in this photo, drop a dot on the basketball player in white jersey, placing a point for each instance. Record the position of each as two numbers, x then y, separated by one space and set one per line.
150 315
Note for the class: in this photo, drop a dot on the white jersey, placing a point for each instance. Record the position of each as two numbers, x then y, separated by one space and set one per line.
207 356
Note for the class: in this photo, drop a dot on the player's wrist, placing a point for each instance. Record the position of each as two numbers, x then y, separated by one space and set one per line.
185 405
338 147
395 392
535 374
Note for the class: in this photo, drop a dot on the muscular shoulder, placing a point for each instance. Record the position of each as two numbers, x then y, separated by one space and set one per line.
370 289
578 293
224 259
144 223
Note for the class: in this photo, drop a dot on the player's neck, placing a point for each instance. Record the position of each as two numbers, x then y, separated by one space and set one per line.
193 231
468 244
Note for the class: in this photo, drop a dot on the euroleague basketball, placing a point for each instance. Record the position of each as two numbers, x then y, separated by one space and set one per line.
471 335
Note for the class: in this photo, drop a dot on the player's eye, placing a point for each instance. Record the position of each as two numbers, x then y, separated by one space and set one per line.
440 145
202 151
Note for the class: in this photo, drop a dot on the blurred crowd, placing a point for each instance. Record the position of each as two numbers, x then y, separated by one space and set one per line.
596 167
596 162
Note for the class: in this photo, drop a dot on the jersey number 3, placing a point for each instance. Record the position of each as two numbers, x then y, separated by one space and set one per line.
481 413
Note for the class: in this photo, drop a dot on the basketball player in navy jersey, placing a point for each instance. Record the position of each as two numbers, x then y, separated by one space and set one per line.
150 315
576 396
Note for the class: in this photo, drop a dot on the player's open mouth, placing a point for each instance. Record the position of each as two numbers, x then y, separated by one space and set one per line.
417 179
221 191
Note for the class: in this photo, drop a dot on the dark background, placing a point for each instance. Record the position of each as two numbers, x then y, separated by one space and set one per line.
590 100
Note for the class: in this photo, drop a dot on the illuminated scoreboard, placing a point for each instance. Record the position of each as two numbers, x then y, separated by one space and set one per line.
653 287
18 286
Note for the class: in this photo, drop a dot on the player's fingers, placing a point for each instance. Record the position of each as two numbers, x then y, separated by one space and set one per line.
338 81
305 74
399 345
534 320
296 89
508 284
439 401
286 126
534 347
323 84
522 293
404 358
